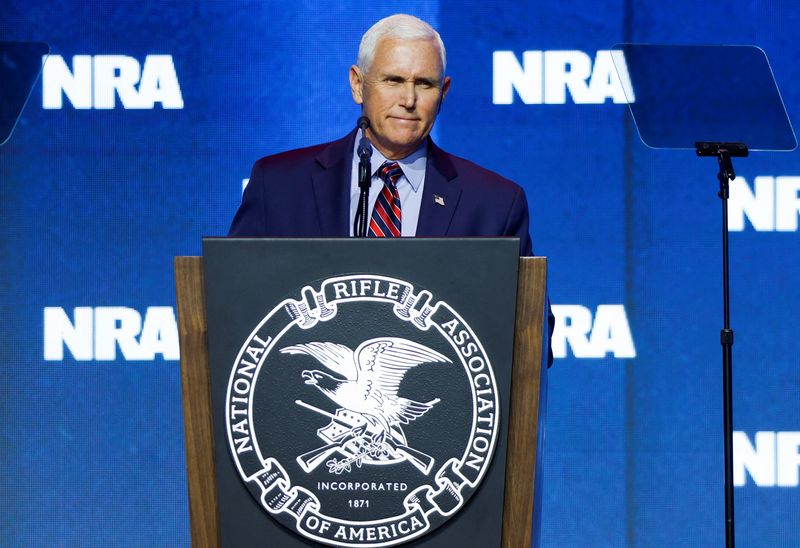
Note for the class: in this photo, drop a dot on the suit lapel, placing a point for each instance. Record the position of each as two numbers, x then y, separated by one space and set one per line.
331 186
439 188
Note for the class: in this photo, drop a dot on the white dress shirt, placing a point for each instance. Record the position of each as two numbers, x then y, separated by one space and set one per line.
409 185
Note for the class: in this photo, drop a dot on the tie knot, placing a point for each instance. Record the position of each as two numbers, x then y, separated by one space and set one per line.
390 172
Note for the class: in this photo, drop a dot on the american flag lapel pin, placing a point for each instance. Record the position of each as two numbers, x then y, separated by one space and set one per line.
438 199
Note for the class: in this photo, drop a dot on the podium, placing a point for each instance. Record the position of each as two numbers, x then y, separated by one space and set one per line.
296 311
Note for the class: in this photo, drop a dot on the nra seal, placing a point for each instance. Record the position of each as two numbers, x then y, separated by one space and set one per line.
362 411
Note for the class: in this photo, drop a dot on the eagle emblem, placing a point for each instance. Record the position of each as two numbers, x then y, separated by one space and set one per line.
367 426
354 439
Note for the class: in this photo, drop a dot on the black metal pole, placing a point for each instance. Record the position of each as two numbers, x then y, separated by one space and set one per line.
724 152
362 213
725 175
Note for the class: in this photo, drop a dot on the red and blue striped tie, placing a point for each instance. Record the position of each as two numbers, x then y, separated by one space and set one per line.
386 216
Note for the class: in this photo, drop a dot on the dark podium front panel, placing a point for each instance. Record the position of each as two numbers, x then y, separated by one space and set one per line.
360 389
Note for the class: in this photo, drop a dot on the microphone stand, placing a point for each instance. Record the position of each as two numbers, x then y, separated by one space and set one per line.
724 152
364 180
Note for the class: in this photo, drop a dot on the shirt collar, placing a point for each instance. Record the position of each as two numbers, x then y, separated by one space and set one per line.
413 165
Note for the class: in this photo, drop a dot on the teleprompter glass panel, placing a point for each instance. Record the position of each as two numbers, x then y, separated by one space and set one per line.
680 95
20 65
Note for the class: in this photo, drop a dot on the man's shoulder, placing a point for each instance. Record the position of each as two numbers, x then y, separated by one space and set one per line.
291 157
323 153
471 175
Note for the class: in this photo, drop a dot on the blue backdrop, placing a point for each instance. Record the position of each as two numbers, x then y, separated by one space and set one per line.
97 196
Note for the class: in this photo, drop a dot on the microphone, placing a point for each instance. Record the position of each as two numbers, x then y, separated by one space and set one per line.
364 180
364 146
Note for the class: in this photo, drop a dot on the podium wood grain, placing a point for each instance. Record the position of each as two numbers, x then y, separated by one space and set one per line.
523 421
524 416
196 390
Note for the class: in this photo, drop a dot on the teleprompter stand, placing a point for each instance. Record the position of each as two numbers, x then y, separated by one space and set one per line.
694 111
724 152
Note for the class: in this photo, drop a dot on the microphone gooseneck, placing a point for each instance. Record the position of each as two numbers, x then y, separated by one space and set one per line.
364 179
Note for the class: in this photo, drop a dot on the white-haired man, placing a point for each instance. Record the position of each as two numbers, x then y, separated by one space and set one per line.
417 188
400 83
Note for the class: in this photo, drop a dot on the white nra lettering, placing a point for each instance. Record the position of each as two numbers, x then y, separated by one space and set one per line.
97 81
772 205
773 461
75 84
547 76
97 333
607 333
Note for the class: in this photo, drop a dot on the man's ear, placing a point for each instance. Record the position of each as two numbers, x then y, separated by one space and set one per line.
445 89
356 84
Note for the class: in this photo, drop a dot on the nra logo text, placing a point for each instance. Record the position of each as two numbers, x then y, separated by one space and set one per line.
772 459
98 333
771 205
605 332
96 81
553 77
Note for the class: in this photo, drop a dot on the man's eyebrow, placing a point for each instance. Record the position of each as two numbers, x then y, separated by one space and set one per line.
427 81
430 81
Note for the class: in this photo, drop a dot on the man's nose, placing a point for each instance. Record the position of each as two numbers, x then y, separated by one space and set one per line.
409 95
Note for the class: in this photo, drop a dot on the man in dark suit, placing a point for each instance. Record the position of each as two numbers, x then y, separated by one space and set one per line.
400 83
306 193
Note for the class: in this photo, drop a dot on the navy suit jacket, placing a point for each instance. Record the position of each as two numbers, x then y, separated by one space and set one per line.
306 193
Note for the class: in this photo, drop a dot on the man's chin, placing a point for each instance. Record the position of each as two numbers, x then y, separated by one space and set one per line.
400 146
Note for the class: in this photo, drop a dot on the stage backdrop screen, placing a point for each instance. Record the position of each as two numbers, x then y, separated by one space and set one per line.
138 140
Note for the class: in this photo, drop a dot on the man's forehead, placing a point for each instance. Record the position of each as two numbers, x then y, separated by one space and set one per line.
417 55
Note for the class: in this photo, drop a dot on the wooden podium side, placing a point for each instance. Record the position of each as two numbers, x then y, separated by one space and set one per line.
528 406
196 391
525 420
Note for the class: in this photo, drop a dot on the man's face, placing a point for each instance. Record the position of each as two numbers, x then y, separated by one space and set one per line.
400 94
